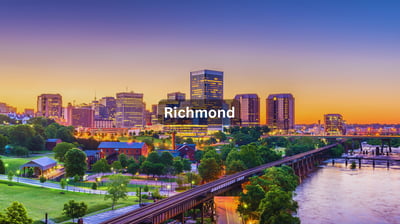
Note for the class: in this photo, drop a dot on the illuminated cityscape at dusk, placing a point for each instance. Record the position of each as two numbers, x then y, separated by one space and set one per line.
333 59
201 111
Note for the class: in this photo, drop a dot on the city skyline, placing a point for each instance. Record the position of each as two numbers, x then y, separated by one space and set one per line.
333 59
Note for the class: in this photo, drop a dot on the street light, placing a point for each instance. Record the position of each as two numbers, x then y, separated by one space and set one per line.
67 182
5 165
18 172
168 188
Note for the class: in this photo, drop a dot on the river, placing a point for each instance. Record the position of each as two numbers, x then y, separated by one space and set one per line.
335 194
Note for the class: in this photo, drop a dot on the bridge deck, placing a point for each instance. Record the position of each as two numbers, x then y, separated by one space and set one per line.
145 213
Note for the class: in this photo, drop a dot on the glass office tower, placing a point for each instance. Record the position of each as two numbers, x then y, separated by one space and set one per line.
207 84
280 112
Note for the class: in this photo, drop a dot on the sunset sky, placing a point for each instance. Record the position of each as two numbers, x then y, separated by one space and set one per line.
333 56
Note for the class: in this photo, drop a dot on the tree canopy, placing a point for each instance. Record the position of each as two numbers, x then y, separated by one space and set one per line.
117 188
61 149
75 162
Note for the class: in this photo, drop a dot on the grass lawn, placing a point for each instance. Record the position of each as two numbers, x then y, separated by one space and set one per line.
39 200
15 162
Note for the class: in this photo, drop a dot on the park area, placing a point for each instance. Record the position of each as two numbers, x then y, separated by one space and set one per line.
38 200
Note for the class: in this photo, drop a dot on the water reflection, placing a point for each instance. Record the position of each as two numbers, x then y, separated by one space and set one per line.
341 195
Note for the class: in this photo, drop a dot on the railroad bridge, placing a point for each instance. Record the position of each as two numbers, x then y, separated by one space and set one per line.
201 197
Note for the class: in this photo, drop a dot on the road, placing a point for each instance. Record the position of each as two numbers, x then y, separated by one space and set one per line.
226 210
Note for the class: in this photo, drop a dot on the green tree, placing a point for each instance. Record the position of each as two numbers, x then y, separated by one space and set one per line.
20 150
10 175
116 188
189 141
141 159
37 143
101 166
209 169
193 178
74 209
250 201
235 166
41 121
61 149
77 178
51 130
198 154
42 179
16 214
220 136
66 134
187 165
3 142
123 159
275 179
94 186
63 183
250 155
2 167
152 168
277 207
153 157
75 162
133 167
146 188
178 166
21 135
116 165
337 151
267 155
166 159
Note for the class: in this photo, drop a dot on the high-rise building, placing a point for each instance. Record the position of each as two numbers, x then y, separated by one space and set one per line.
79 116
206 84
130 111
334 124
4 108
249 109
176 96
49 105
109 109
280 111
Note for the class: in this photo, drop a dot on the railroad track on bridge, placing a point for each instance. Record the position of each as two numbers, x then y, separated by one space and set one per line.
145 214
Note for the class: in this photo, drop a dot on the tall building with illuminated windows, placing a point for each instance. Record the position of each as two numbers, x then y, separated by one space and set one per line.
249 109
207 84
280 112
49 105
130 110
334 124
176 96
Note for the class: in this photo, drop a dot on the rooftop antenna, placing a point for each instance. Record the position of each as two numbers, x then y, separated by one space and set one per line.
95 98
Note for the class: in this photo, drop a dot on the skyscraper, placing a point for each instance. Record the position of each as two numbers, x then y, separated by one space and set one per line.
110 105
280 111
176 96
207 84
49 105
334 124
79 116
130 110
249 109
